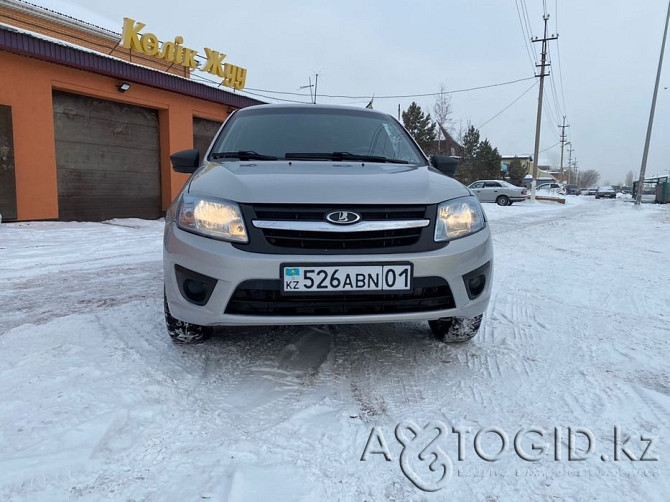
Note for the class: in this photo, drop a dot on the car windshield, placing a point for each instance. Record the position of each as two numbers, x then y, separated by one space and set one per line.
313 133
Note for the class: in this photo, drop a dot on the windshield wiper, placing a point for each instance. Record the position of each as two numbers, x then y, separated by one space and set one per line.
340 156
242 155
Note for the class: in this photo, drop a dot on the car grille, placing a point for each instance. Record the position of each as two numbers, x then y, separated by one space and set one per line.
264 298
344 241
300 241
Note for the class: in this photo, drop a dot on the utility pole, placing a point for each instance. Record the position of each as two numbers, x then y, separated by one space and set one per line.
311 96
643 169
536 151
563 142
570 150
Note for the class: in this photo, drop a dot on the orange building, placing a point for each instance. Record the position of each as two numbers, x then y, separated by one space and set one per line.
87 125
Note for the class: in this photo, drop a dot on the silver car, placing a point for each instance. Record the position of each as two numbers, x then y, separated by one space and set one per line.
322 215
605 191
499 191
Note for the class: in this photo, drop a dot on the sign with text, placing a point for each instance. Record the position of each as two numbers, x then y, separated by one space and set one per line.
174 52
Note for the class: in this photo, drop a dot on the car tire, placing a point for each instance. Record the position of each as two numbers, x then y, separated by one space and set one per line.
455 329
502 200
183 332
597 197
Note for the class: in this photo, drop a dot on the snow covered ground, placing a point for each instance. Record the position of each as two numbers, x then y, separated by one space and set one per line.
97 404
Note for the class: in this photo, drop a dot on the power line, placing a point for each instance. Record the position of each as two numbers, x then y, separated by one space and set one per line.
257 93
550 147
549 118
276 99
560 76
429 94
554 97
210 81
525 38
554 94
508 106
529 25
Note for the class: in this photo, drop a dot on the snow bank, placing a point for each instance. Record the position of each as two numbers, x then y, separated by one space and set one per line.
96 402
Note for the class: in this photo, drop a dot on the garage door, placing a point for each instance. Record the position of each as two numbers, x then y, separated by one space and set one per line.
7 179
108 159
203 133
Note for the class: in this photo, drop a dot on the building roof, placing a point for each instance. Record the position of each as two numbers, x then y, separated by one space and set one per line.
97 27
522 156
25 43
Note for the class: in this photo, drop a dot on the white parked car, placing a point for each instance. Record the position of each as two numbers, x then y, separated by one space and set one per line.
552 187
501 192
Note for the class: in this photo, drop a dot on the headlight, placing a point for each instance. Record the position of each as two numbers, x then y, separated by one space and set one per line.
458 218
217 218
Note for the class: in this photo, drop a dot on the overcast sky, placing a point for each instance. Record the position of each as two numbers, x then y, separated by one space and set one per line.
603 63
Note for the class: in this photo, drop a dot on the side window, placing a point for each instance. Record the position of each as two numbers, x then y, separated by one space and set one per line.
492 184
478 185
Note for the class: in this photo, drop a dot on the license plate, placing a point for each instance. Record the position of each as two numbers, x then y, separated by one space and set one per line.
342 278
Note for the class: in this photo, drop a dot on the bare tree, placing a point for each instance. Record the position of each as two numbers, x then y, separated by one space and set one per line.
629 179
462 130
442 111
589 178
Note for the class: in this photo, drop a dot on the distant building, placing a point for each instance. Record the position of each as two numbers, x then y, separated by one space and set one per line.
545 174
526 163
448 145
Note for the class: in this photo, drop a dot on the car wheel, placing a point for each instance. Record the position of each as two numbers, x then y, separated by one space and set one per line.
183 332
503 200
597 197
455 329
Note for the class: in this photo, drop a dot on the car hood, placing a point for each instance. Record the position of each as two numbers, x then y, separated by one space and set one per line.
284 182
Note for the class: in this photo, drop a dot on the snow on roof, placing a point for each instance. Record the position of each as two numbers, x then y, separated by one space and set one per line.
200 81
520 155
75 15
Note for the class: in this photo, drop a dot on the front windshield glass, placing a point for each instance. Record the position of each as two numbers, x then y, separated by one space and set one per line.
277 132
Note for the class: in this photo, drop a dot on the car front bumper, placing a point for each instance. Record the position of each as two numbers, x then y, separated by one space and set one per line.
230 267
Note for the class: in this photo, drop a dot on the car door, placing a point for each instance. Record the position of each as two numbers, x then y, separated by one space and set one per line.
478 189
491 191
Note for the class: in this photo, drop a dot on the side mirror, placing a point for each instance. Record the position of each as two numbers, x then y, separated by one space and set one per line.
445 164
186 161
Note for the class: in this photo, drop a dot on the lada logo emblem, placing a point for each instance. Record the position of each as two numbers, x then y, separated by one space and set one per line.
343 217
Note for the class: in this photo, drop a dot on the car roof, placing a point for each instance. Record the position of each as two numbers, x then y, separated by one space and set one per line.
312 107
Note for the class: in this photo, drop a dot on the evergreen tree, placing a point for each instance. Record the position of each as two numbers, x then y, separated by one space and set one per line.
467 171
420 126
488 161
516 172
